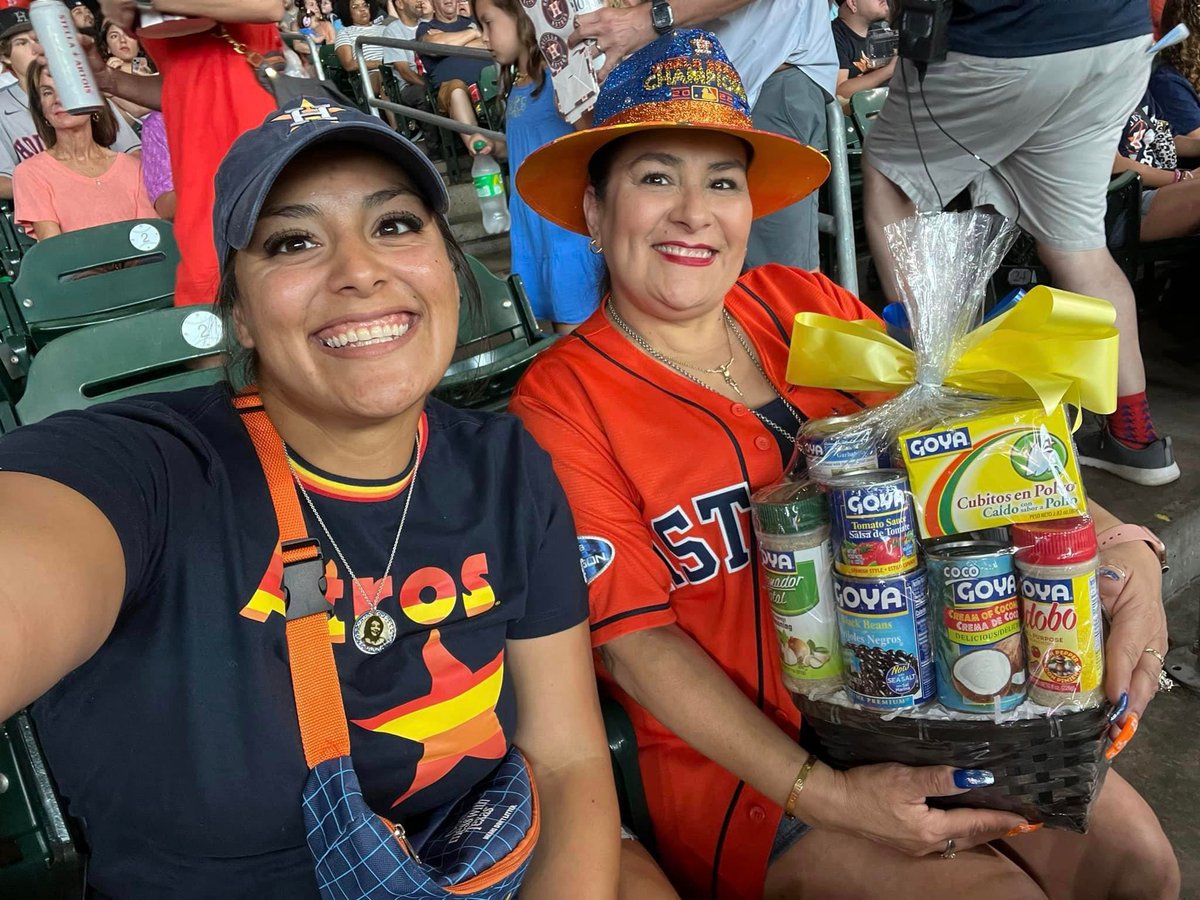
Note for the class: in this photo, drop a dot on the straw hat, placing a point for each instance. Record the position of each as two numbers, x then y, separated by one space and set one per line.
682 80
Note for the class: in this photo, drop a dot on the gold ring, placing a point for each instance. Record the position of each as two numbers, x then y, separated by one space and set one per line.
1161 660
949 853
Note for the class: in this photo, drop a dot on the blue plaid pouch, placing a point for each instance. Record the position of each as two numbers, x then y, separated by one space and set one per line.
476 848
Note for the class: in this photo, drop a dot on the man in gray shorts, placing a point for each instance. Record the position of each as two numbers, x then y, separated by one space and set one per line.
19 139
1040 90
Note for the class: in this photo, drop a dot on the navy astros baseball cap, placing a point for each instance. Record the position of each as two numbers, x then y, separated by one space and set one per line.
256 159
14 20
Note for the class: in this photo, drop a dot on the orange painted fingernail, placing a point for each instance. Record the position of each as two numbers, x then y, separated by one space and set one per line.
1127 732
1027 828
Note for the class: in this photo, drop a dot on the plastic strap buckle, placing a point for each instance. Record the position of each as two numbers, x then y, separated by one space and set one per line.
304 582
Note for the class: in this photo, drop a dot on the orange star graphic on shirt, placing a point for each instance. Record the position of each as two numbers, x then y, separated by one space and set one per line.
456 719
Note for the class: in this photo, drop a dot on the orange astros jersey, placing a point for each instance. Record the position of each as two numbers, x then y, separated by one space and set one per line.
659 472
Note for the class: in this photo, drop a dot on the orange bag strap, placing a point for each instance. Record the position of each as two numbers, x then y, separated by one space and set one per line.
323 729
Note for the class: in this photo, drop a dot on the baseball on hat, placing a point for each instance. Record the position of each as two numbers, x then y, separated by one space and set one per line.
257 158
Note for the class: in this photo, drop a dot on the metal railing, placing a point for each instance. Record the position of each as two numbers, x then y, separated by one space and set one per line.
840 223
375 104
314 52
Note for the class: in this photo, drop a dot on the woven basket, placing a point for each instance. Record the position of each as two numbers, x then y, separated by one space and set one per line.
1047 770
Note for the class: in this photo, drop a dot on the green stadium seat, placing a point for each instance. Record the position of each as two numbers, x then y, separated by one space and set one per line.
494 348
95 275
865 106
39 859
490 100
622 748
143 353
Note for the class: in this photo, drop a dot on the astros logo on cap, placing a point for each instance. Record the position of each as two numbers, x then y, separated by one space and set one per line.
308 112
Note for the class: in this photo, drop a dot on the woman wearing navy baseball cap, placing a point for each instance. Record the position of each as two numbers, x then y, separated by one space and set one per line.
663 413
324 636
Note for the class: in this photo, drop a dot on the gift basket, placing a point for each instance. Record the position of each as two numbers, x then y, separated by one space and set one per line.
931 565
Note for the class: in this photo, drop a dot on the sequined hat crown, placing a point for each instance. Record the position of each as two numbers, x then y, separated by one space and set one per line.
682 80
684 76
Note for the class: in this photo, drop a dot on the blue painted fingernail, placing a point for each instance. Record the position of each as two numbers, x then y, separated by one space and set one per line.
1112 573
973 778
1119 709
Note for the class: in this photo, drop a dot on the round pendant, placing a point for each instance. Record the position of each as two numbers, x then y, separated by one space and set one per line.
374 631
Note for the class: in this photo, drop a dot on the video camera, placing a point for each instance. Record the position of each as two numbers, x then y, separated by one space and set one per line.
882 42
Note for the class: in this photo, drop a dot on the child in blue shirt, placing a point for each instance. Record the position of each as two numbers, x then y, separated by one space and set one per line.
561 274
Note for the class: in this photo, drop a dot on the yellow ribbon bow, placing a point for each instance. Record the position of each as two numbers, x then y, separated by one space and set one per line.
1053 347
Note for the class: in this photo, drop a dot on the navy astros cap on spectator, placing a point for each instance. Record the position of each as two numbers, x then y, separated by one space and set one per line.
71 4
14 20
256 159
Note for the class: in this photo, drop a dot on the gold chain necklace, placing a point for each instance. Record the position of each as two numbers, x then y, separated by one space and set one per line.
723 371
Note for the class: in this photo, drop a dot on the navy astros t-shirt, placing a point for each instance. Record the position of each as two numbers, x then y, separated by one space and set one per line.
1009 29
177 743
441 69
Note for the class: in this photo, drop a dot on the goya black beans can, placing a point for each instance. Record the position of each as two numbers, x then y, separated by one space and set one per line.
874 534
886 650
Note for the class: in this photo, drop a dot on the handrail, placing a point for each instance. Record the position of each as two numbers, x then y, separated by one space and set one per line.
375 104
314 53
841 223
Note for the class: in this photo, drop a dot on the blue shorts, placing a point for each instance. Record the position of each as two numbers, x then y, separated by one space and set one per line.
789 831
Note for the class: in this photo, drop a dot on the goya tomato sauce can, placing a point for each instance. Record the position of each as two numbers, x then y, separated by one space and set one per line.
873 529
886 649
978 650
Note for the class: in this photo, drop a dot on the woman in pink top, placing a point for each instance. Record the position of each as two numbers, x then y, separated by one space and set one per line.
77 182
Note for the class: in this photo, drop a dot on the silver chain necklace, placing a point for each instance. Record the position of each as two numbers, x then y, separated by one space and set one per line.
374 630
723 371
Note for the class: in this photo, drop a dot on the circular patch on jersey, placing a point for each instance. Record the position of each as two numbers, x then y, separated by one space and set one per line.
144 237
595 555
202 330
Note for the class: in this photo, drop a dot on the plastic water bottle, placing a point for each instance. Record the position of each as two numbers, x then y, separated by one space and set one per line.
489 188
73 77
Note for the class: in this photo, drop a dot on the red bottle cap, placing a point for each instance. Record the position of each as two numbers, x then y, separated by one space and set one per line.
1057 542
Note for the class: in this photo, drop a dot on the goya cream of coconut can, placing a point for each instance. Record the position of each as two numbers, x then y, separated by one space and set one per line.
978 650
874 534
886 649
838 445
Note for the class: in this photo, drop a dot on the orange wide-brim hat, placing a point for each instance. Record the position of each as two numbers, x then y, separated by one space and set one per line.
683 80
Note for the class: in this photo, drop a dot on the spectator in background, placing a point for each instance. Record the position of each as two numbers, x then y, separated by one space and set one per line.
156 166
1041 90
82 15
857 71
122 51
451 75
330 15
19 138
784 52
77 181
1170 205
410 14
313 22
559 271
359 18
209 94
1174 80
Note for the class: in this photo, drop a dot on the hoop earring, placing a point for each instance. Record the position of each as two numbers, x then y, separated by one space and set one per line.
595 247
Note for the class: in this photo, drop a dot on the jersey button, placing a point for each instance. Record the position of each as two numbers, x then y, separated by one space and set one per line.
739 409
757 814
762 442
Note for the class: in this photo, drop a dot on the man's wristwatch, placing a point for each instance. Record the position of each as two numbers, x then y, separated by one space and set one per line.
661 16
1123 534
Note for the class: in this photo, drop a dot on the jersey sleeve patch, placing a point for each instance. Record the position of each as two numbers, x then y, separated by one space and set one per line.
595 556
